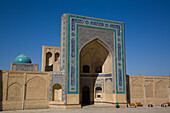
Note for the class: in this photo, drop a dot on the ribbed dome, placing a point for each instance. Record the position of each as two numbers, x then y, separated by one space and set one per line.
22 59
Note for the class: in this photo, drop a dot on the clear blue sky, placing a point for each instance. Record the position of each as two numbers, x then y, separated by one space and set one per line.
26 25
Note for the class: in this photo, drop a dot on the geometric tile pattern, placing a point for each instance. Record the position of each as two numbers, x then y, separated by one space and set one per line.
95 75
108 85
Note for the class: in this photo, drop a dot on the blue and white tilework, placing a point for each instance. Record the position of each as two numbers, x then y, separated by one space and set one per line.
82 30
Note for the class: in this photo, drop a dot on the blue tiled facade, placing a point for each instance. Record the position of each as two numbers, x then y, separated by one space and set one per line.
110 33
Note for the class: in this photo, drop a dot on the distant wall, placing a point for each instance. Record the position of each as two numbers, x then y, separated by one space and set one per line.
24 67
16 86
149 89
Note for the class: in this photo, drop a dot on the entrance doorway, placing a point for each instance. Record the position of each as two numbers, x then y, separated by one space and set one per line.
86 95
95 60
57 92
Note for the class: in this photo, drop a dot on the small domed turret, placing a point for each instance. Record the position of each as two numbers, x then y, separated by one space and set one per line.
22 58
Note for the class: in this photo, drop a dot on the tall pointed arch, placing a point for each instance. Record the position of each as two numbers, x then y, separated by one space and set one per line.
137 89
161 86
149 91
99 55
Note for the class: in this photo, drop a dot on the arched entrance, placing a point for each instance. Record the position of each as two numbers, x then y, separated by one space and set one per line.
95 60
86 95
57 92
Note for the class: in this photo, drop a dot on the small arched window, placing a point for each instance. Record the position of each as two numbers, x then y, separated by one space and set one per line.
57 56
86 69
48 59
98 69
98 90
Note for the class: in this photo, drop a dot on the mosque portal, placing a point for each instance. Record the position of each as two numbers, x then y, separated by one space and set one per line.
90 64
92 60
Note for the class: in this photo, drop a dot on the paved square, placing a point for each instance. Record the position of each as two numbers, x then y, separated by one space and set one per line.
98 109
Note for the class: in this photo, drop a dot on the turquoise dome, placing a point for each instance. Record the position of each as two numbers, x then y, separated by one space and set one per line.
22 59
